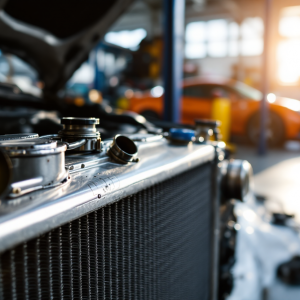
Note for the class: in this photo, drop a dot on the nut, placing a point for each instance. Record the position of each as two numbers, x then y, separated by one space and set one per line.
98 145
16 190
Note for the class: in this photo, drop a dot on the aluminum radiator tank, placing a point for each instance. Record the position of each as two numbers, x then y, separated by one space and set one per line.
139 230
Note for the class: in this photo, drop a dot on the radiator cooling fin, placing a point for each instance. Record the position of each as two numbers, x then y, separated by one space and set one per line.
154 245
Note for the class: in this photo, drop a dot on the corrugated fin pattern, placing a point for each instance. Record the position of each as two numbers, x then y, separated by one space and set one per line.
152 245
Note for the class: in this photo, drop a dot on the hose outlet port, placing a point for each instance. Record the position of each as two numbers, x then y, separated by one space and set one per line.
123 150
236 179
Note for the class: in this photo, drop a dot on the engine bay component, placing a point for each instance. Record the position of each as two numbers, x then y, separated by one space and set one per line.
181 135
80 134
236 178
165 198
5 172
123 150
205 129
36 163
289 272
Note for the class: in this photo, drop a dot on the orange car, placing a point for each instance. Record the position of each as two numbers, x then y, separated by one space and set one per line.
198 94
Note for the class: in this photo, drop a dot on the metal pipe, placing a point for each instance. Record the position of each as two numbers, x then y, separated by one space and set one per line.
70 146
262 147
76 144
50 136
173 58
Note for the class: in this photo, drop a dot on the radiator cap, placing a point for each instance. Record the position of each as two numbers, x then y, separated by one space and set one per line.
181 135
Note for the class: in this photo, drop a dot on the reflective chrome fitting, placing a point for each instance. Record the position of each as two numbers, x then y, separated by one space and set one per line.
123 150
80 134
30 163
236 179
205 129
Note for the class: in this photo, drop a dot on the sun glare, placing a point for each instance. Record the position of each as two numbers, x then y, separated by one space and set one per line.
289 46
291 104
271 98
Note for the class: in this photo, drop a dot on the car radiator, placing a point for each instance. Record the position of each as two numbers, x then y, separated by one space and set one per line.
153 244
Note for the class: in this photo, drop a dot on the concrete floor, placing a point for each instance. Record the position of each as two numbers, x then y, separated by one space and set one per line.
274 156
277 177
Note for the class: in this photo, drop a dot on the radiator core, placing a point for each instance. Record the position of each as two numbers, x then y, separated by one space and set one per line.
155 244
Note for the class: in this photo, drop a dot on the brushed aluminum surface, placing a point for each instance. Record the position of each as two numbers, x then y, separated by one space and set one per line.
95 181
36 163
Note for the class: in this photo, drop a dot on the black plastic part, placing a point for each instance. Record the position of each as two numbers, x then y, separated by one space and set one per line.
5 173
205 122
56 36
289 272
79 121
66 15
260 198
227 250
280 218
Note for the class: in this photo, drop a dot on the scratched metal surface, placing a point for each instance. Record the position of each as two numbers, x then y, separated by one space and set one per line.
99 182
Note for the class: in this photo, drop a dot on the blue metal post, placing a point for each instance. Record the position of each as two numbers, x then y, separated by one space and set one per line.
173 58
262 147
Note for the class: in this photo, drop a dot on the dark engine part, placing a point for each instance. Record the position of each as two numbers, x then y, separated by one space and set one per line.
227 249
289 272
281 218
28 120
236 179
45 122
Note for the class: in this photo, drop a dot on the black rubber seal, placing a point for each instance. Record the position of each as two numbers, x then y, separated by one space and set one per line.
207 122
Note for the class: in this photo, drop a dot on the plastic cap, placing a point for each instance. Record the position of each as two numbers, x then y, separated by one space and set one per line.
182 134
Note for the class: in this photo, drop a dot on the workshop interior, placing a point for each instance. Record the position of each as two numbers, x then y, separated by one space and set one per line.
150 149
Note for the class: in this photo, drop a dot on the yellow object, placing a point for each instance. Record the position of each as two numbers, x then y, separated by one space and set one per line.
231 148
79 101
123 103
221 112
95 96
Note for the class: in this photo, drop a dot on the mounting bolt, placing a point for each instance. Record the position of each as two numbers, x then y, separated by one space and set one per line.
16 190
71 168
83 166
98 145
